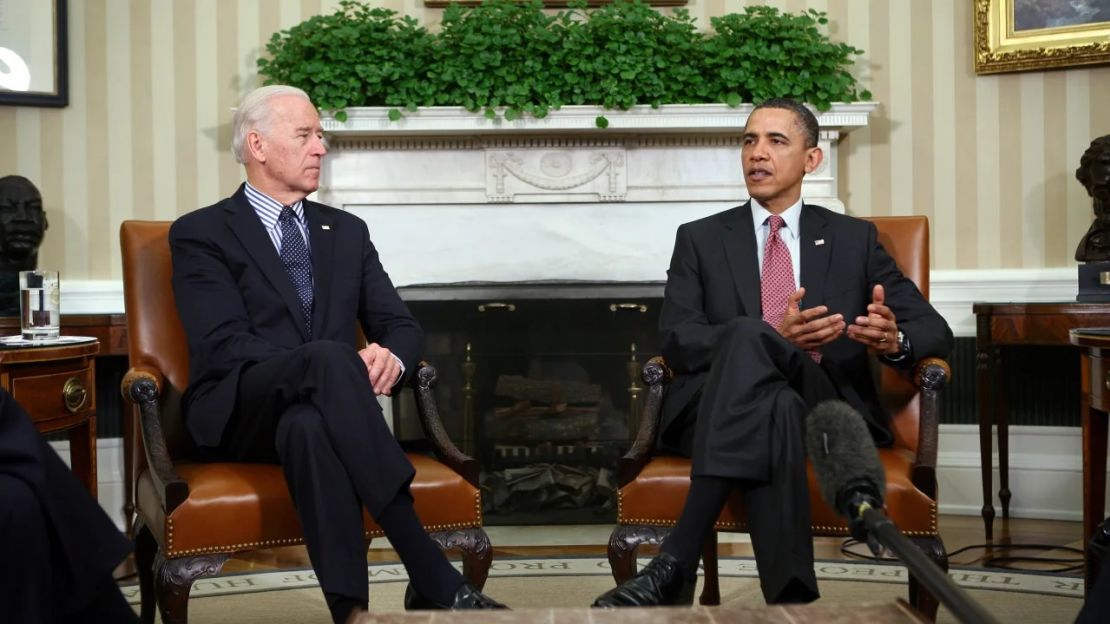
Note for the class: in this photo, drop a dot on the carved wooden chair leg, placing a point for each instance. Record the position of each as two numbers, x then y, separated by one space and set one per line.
711 589
174 577
477 554
920 597
623 542
145 550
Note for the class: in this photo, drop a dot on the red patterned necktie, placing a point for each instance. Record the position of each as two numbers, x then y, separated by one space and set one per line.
776 283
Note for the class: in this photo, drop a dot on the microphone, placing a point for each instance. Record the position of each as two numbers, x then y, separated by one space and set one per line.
849 472
852 481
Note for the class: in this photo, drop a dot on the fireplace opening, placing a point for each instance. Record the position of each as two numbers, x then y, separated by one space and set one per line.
543 392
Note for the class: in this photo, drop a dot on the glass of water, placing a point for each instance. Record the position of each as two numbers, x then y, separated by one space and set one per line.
39 304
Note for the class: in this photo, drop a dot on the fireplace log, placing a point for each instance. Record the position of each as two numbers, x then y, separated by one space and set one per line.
547 391
524 422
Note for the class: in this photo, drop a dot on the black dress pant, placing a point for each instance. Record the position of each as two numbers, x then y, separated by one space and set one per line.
313 411
57 546
750 429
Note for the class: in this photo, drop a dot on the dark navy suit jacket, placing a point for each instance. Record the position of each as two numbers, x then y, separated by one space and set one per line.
238 304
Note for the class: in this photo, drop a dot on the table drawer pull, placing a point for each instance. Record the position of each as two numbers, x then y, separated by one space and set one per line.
74 394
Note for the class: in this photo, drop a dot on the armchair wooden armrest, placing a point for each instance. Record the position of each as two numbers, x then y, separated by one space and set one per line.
655 374
930 375
143 387
424 382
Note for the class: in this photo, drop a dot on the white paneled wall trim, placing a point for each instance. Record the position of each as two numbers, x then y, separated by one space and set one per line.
952 292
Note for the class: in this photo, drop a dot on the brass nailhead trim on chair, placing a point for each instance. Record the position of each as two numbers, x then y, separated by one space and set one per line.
172 554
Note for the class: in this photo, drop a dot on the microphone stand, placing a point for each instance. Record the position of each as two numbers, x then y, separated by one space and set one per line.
925 570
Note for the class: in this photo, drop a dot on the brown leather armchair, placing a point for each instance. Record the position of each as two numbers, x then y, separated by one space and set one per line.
653 486
191 516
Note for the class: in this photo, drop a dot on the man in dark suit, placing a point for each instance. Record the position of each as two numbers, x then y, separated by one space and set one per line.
753 352
58 546
270 288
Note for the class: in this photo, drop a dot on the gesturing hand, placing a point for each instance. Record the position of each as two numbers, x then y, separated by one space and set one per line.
809 329
879 329
381 366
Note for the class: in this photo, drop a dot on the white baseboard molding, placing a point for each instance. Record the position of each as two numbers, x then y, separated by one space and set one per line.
1045 475
1046 479
109 474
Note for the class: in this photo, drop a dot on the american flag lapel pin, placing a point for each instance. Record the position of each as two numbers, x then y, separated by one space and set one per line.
819 241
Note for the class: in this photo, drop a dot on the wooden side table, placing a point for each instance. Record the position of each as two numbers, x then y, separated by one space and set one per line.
1001 325
1095 403
56 384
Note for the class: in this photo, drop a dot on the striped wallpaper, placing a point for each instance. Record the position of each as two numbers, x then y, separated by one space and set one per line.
990 159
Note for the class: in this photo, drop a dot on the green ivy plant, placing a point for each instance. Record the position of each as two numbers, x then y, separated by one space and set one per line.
357 56
498 54
761 53
514 57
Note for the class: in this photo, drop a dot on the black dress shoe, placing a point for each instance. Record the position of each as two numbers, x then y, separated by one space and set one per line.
660 583
465 598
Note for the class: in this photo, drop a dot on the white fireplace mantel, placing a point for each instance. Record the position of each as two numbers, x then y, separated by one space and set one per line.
452 196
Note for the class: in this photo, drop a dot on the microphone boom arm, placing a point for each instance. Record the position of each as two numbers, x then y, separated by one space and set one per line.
962 607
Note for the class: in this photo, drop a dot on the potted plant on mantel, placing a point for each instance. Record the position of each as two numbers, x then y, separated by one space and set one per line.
511 62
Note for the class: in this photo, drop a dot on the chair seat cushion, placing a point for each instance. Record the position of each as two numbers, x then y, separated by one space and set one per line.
656 497
235 507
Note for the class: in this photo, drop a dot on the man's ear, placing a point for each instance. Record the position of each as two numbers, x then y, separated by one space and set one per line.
255 146
814 156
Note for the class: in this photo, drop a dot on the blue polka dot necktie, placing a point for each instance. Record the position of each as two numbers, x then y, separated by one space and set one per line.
295 257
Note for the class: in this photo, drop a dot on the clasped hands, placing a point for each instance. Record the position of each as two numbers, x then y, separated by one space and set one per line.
382 366
814 327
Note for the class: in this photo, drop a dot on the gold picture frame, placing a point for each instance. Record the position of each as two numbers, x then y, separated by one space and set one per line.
1022 35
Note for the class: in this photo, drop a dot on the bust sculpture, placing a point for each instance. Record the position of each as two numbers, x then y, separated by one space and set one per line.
1094 174
22 226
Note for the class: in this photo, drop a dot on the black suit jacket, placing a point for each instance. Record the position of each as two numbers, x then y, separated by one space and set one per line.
714 277
238 304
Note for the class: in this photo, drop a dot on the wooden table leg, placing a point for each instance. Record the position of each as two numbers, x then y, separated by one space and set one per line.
82 452
1094 477
985 391
1002 421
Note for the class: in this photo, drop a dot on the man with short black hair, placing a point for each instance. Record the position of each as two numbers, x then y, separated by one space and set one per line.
769 309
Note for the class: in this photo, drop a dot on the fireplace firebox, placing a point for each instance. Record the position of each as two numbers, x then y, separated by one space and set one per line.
543 391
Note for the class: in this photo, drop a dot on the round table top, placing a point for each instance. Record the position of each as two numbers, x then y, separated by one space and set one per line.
13 354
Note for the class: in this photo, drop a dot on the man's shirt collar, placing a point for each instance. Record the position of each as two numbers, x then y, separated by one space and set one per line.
792 216
268 209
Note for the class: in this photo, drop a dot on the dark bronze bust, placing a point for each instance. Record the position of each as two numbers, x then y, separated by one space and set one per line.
22 226
1094 174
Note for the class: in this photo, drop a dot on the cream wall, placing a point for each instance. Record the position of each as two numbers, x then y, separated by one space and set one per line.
990 159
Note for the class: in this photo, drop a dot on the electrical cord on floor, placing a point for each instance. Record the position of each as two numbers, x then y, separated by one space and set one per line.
1007 562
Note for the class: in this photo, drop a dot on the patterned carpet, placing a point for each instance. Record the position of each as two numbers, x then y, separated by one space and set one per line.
293 596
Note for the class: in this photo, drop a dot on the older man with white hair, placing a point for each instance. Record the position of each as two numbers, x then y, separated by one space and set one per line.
269 287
